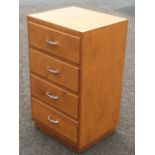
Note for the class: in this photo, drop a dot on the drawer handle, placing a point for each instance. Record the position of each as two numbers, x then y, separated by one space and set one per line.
52 70
53 121
52 42
51 96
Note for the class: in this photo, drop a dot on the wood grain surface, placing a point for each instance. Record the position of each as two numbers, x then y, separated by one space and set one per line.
68 75
66 102
101 73
66 126
67 45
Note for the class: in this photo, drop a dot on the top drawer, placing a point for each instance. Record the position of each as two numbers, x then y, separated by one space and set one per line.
57 43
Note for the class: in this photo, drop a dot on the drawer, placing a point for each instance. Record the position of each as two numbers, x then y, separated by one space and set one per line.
54 70
54 96
57 43
54 120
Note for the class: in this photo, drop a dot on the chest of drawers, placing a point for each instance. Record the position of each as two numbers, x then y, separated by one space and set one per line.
76 67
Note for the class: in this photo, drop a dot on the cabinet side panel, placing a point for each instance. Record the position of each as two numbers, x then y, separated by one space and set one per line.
102 61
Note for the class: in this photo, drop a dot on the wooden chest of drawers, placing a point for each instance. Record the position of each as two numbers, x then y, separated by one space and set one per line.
76 69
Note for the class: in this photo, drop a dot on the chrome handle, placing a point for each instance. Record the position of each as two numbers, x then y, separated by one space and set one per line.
51 96
52 70
53 121
52 42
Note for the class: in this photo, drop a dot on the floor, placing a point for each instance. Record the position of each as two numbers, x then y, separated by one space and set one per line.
35 142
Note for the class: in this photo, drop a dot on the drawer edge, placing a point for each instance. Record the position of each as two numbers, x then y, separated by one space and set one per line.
54 26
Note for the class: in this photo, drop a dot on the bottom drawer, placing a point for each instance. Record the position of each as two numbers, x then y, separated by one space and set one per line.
55 120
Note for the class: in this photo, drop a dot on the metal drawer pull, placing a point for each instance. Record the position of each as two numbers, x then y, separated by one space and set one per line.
53 121
52 42
51 96
52 70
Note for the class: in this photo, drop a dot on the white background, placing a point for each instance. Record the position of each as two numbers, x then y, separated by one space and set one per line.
145 77
9 77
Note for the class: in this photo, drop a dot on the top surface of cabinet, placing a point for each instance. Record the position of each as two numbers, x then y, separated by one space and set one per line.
77 19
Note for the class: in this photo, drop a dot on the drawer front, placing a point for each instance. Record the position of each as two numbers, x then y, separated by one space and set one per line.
54 96
54 70
55 42
54 120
